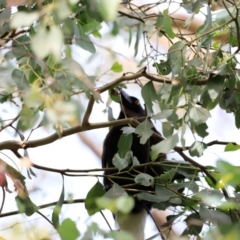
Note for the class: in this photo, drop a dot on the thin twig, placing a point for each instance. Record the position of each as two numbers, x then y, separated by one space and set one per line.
88 111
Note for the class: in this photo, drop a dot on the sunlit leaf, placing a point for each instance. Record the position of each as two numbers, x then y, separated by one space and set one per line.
116 67
199 115
164 146
121 163
108 9
144 130
231 147
68 230
24 19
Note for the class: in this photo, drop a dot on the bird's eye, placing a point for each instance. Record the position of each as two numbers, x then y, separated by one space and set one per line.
137 102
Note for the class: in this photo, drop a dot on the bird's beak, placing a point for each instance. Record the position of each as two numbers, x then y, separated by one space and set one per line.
125 97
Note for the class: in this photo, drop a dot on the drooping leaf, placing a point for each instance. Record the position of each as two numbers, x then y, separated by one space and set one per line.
176 56
95 192
82 39
25 205
167 129
138 36
57 208
214 85
149 95
124 144
167 23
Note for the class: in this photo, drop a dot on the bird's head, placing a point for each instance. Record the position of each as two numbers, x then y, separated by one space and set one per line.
131 106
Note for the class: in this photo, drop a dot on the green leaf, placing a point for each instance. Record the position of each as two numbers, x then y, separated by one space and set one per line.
144 179
24 19
25 205
68 230
74 69
237 118
125 204
148 197
214 217
20 79
82 39
199 115
116 67
149 95
197 148
167 129
57 208
214 85
201 130
194 224
164 146
210 196
108 9
167 23
138 36
119 235
231 147
121 163
167 176
128 130
144 130
90 203
163 114
176 55
163 68
115 192
124 144
114 95
48 41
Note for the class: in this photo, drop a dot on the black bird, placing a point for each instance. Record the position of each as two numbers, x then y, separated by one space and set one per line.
131 108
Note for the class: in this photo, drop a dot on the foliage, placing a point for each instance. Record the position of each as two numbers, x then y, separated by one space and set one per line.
41 78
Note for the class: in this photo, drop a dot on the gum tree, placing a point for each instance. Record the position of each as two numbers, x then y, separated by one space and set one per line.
180 86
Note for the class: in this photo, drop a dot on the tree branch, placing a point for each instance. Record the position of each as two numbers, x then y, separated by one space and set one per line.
80 200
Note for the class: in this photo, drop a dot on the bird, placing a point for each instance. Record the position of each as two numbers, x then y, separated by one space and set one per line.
134 223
